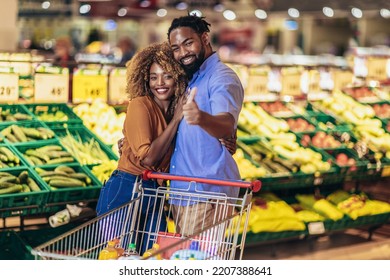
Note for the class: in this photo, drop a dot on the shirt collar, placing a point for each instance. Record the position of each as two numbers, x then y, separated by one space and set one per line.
206 66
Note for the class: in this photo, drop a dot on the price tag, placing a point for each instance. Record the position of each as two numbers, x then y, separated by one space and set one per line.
22 68
341 79
117 86
9 87
316 228
88 87
51 88
376 68
291 83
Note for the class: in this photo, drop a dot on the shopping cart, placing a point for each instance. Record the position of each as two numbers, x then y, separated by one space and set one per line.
142 221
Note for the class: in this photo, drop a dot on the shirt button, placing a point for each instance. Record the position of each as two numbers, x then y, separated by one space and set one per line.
175 149
173 166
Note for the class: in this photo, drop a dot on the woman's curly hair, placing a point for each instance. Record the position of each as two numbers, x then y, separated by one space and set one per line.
138 69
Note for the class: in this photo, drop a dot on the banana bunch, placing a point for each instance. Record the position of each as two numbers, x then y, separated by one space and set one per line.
359 205
104 170
15 133
273 216
260 123
247 169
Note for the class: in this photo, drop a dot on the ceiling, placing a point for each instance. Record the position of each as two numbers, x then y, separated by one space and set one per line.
135 8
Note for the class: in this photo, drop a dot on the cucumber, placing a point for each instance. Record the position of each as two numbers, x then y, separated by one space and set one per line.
12 189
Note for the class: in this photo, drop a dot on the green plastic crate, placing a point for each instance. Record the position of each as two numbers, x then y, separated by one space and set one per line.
59 197
23 203
12 247
43 112
22 148
35 124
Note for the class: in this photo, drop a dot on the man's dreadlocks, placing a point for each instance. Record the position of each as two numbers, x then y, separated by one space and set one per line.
198 24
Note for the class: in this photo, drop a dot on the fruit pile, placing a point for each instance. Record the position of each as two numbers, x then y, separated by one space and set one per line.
320 140
299 125
382 110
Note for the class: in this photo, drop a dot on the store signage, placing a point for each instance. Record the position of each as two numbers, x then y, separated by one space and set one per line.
377 68
51 87
9 87
291 81
117 86
90 85
257 84
341 78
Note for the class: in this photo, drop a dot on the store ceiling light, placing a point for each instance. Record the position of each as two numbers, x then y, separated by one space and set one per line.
84 9
229 15
145 4
328 11
162 12
357 13
292 12
46 5
219 8
182 6
122 12
385 13
196 13
261 14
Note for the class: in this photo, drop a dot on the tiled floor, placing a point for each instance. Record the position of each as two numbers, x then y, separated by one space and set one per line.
353 244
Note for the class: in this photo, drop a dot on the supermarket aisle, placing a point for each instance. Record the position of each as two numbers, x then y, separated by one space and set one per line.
353 244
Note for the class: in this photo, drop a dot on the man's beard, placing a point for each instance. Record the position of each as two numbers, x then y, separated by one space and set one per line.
190 69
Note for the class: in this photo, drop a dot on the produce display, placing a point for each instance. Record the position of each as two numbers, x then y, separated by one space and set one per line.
102 119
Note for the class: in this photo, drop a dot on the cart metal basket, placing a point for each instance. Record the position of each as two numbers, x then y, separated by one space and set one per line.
131 223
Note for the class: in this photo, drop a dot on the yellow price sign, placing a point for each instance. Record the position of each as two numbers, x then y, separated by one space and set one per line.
52 88
9 87
87 88
117 86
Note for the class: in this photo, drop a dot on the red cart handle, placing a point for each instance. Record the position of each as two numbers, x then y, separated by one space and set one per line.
255 186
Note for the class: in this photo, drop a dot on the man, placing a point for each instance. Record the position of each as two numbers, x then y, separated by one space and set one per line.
211 113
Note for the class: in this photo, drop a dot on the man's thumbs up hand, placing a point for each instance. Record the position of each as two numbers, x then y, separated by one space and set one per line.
192 94
191 112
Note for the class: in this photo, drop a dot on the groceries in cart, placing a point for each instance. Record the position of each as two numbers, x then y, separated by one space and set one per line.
114 234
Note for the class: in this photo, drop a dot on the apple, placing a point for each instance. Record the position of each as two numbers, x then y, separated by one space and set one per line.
342 159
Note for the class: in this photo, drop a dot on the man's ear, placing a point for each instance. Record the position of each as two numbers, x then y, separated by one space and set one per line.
205 38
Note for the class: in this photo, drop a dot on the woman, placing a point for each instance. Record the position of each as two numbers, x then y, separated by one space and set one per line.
155 86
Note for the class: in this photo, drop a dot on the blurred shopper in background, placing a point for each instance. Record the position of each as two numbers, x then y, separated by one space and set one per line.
63 54
127 49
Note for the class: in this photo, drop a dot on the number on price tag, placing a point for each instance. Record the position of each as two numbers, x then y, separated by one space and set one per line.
9 87
87 88
51 88
117 86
